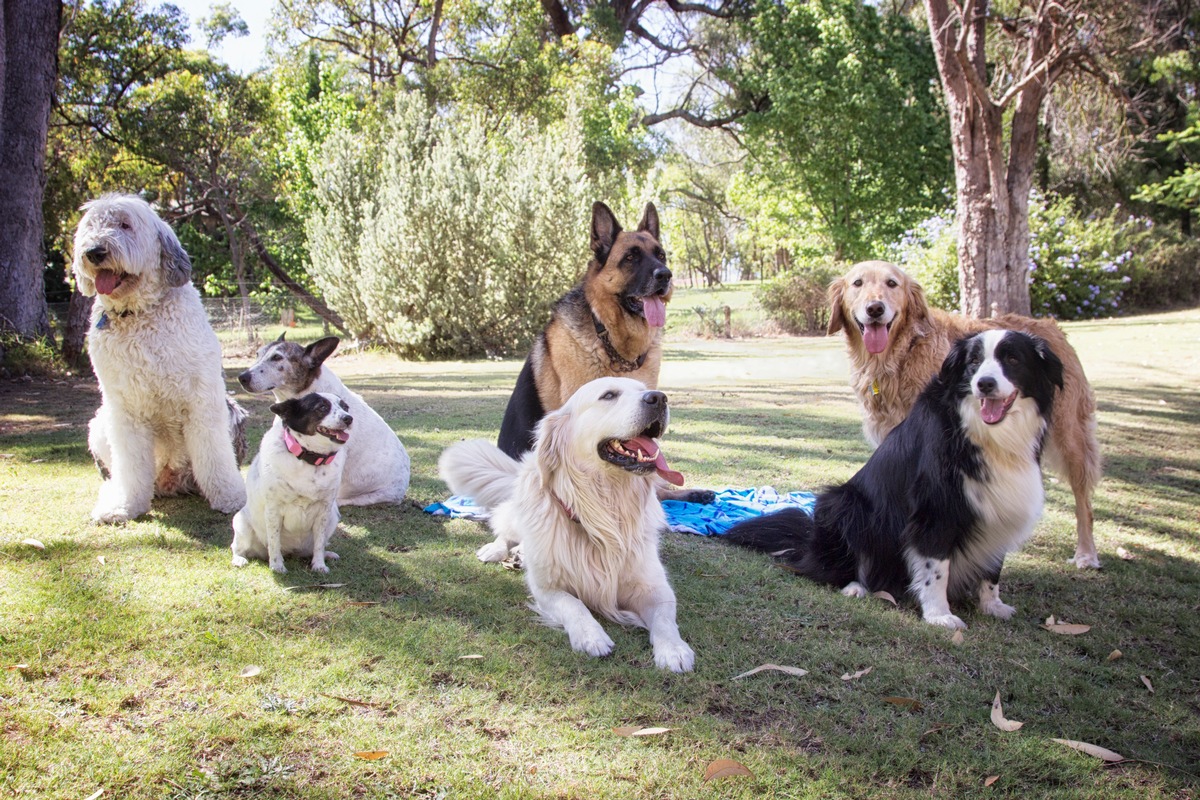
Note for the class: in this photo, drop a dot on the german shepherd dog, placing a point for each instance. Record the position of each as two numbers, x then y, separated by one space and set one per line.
608 326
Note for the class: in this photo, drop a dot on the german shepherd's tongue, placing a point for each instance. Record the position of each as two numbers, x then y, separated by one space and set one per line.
655 311
648 446
875 337
107 281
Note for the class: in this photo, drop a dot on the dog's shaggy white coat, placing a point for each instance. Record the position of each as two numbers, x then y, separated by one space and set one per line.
588 529
164 417
292 505
377 465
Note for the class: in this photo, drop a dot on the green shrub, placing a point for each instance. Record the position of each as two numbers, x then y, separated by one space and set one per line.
1166 272
24 356
929 253
797 300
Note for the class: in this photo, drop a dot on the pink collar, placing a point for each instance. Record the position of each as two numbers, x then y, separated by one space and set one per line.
308 456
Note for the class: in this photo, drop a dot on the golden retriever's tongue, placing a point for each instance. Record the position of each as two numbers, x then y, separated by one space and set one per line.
993 409
106 281
649 447
875 337
655 311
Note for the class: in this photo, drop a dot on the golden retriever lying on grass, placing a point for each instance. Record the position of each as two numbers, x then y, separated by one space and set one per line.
582 506
897 343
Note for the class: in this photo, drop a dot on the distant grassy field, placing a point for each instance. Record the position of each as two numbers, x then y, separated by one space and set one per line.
122 649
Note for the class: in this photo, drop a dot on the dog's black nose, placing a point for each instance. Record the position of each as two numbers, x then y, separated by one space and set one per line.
986 385
875 310
346 418
97 254
662 276
654 399
244 380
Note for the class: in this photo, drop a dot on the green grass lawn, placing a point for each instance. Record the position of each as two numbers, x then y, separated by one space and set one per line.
122 649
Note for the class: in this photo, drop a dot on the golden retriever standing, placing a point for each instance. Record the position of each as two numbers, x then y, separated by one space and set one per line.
582 506
897 343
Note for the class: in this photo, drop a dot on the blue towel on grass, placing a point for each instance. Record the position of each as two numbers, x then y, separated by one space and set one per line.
731 506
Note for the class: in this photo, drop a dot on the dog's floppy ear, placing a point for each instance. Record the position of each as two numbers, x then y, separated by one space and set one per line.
649 222
285 407
1054 365
86 286
955 364
316 353
604 231
916 306
553 436
173 259
837 317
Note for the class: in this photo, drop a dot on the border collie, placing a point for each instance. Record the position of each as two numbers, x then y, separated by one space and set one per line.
292 486
952 489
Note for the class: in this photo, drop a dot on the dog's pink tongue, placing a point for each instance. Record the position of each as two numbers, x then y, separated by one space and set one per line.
655 311
648 446
106 281
992 410
875 337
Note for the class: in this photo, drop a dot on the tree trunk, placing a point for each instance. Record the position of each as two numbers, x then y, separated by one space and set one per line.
28 65
79 316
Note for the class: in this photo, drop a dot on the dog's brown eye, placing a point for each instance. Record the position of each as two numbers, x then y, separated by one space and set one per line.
632 254
892 284
858 282
661 255
124 226
610 395
1012 361
277 357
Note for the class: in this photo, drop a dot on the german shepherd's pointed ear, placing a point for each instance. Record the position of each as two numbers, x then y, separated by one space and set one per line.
1054 365
649 222
604 231
316 353
837 317
281 337
553 438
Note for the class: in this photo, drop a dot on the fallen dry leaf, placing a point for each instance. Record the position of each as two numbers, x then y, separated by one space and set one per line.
799 673
351 701
17 667
726 768
1114 655
94 795
470 656
34 543
637 730
1091 750
885 596
100 559
1067 628
906 702
998 719
990 779
1125 554
859 674
250 671
958 637
1146 681
314 586
371 755
933 730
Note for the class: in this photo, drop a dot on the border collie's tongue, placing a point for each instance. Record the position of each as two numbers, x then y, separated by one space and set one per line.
649 447
655 311
107 281
993 409
875 337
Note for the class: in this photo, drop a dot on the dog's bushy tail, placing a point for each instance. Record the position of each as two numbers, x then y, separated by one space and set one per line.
807 546
479 469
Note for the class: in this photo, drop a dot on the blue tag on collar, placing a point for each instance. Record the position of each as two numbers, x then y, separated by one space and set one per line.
102 323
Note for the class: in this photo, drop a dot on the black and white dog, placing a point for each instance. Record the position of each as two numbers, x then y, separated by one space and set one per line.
292 486
950 491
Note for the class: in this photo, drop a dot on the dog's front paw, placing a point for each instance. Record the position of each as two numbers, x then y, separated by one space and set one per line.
228 502
277 566
704 497
594 643
854 589
320 566
240 561
677 657
492 552
947 621
111 516
997 609
332 556
1086 560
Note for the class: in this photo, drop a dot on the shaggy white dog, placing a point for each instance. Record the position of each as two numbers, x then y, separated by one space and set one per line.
582 506
292 486
377 466
165 421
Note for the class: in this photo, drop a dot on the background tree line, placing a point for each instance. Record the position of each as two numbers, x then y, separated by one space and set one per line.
418 172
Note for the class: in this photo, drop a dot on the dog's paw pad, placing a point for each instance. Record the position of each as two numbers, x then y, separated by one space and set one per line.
492 552
676 658
947 621
998 609
240 561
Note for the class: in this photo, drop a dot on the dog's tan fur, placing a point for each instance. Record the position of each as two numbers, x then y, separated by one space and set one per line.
887 383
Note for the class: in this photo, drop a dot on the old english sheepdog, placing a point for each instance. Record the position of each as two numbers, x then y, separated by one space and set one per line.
165 424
